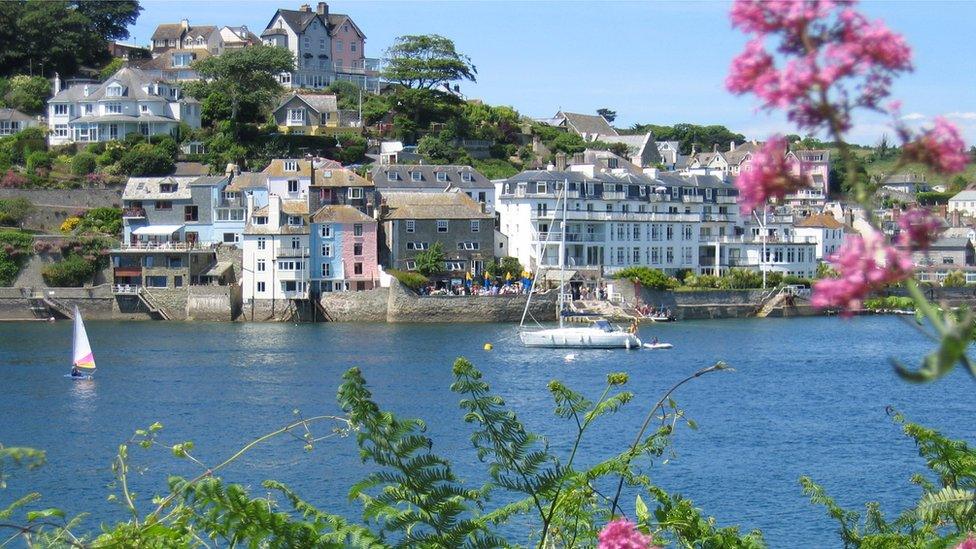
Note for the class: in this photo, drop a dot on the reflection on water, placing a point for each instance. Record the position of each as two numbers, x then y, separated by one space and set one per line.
807 397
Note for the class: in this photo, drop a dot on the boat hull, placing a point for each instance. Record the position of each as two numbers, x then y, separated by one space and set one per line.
579 338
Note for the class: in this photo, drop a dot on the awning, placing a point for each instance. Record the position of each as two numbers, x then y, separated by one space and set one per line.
157 230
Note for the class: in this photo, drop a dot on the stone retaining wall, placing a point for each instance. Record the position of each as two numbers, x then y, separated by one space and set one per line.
214 303
52 207
365 306
405 306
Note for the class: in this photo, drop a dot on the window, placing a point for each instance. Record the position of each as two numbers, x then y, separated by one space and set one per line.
469 246
143 108
292 186
475 225
357 268
669 255
326 250
442 225
113 108
291 165
418 245
355 193
262 243
357 249
467 177
352 46
669 232
182 59
261 287
609 207
321 43
482 198
61 130
454 266
261 220
295 220
296 243
540 187
261 265
391 176
411 225
88 108
636 255
411 265
357 229
163 205
156 281
338 45
442 177
230 238
416 176
296 115
190 213
541 209
326 270
115 90
326 230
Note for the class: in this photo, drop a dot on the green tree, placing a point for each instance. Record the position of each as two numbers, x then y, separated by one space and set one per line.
507 265
28 93
83 163
111 68
431 262
245 76
608 114
426 61
37 161
144 160
654 279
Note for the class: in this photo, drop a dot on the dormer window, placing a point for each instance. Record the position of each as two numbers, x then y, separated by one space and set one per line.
200 41
114 90
416 176
168 187
467 177
295 221
261 220
182 59
327 173
391 176
291 165
442 176
540 187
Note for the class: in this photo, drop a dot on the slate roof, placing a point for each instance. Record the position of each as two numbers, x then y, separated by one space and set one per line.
949 243
319 102
191 168
15 115
428 177
587 123
132 80
208 180
964 195
295 19
452 205
277 168
340 214
164 61
147 188
339 177
168 31
248 180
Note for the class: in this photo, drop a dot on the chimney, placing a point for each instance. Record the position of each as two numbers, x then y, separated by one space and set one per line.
715 147
578 158
231 170
560 161
731 146
87 90
955 219
322 9
694 149
274 212
57 84
185 24
305 8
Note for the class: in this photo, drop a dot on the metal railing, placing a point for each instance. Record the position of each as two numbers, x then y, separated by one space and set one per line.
164 246
555 236
134 212
292 252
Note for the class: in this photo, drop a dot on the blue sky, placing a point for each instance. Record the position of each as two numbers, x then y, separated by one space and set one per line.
653 62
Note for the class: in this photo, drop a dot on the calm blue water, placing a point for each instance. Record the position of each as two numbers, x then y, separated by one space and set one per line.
808 397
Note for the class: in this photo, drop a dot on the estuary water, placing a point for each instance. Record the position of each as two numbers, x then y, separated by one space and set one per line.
807 397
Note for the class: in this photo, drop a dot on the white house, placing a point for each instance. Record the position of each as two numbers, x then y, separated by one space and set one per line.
129 101
825 230
276 252
964 203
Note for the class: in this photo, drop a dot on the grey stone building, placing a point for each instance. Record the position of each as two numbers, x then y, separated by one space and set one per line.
412 222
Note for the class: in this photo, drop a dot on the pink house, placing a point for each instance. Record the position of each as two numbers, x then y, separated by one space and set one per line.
343 254
815 165
348 42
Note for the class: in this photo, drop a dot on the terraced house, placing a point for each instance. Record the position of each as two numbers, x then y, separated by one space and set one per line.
343 250
130 101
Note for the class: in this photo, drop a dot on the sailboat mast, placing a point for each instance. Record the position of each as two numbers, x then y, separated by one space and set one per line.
562 254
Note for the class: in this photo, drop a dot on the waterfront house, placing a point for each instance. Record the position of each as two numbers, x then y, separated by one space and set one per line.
945 256
12 121
314 114
333 185
343 250
276 251
327 47
129 101
427 178
825 230
412 222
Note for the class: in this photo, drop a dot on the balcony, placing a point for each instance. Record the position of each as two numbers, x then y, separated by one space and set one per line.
298 275
292 252
614 195
556 236
717 218
726 199
619 216
134 213
368 66
692 199
163 246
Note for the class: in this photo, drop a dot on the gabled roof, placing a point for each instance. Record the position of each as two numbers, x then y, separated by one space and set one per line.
277 168
148 188
449 205
296 19
964 195
428 177
248 180
340 214
320 103
14 115
949 243
164 61
168 31
131 79
824 221
336 19
587 123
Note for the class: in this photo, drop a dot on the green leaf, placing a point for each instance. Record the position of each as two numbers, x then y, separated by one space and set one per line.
643 515
46 513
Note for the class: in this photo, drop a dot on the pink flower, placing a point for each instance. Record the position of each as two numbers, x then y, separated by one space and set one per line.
968 543
769 175
919 229
941 148
621 534
864 264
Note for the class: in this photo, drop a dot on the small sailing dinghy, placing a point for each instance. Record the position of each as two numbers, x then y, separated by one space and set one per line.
83 361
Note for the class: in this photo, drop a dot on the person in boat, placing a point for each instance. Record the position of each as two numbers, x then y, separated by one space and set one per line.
654 340
633 327
75 372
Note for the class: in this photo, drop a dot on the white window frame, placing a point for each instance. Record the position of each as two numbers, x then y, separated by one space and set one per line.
443 226
296 115
410 226
326 230
475 225
262 243
295 181
261 265
355 193
291 165
442 177
416 176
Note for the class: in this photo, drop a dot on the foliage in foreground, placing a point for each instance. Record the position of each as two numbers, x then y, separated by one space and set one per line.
413 497
653 279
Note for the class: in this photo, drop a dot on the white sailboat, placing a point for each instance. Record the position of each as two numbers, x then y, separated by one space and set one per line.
598 335
82 358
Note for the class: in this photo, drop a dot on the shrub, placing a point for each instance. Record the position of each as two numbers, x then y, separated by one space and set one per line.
102 221
742 279
703 281
431 262
13 211
70 224
891 302
83 163
70 272
411 280
15 248
144 159
13 180
648 278
955 279
38 160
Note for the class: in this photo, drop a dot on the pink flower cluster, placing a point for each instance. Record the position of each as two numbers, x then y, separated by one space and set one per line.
622 534
919 229
941 148
824 45
769 175
864 263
